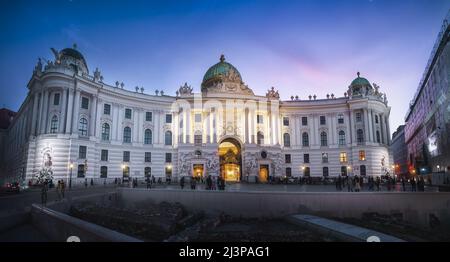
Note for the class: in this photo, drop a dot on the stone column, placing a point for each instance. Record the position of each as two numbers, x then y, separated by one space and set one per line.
98 124
208 127
388 130
62 119
371 127
329 120
76 110
44 112
69 116
366 125
135 125
35 113
175 127
188 126
93 115
162 121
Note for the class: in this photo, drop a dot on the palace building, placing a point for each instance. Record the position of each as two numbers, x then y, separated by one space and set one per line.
74 124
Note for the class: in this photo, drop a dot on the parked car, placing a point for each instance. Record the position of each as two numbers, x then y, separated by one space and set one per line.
10 188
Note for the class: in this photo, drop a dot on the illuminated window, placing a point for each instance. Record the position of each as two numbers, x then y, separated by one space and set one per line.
343 157
307 171
362 155
148 157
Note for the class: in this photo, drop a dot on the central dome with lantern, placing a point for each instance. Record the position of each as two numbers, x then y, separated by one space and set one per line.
223 77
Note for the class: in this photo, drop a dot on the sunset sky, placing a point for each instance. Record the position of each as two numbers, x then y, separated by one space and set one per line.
299 47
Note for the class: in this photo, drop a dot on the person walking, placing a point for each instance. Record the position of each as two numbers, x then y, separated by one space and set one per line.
85 183
377 183
182 182
213 183
208 183
63 188
403 184
92 181
193 183
413 184
44 193
357 184
58 190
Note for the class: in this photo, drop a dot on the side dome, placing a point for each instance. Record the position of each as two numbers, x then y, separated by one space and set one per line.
73 58
360 86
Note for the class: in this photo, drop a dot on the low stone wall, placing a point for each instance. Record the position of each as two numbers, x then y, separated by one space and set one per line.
59 226
422 208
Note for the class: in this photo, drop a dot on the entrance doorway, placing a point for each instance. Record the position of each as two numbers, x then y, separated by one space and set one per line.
263 173
230 160
197 171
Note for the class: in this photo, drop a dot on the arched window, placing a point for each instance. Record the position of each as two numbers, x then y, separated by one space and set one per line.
127 135
341 138
147 172
362 170
325 171
287 140
359 136
83 127
323 139
103 172
343 170
305 139
198 140
168 138
260 138
105 132
378 137
148 137
54 125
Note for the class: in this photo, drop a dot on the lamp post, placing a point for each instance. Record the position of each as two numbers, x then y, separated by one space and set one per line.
70 176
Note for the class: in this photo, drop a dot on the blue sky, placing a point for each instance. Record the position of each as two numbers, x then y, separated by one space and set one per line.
299 47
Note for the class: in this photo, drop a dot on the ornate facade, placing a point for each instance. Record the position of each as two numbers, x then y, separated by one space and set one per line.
75 124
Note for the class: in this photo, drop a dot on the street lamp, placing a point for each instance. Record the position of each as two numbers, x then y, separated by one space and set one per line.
70 179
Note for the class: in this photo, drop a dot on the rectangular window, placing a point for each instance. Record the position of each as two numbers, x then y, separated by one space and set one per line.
107 109
56 99
362 155
148 116
82 152
343 157
126 156
358 117
104 155
340 119
304 121
148 157
323 120
168 118
305 158
168 157
287 158
259 119
128 113
198 118
324 157
288 171
84 102
286 121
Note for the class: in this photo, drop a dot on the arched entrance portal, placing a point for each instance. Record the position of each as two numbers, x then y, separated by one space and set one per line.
230 160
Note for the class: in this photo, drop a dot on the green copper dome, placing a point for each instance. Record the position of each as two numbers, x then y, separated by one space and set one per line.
220 69
360 81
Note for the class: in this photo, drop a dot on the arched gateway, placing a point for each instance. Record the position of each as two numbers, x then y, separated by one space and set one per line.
230 156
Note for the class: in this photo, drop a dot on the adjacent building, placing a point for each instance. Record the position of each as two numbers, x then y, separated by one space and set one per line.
77 126
427 130
399 152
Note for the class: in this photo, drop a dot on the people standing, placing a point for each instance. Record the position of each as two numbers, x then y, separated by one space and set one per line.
357 184
403 184
182 182
349 185
85 183
413 184
63 188
44 193
377 183
193 183
208 183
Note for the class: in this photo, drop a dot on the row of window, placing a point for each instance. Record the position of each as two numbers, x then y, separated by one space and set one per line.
323 138
342 157
125 171
129 113
82 152
325 171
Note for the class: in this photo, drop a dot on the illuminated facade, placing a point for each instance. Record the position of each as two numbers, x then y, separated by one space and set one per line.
73 122
427 130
